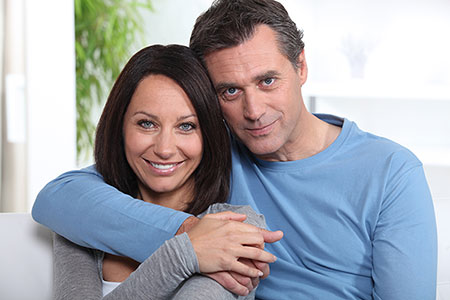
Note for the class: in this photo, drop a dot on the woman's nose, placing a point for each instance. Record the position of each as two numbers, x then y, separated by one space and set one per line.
165 145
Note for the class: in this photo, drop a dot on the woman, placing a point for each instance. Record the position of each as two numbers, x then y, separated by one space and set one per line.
161 139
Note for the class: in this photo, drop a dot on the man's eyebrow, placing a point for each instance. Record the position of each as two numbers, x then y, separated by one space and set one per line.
225 85
257 78
268 74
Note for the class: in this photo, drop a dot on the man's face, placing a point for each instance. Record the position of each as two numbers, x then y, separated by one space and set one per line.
260 94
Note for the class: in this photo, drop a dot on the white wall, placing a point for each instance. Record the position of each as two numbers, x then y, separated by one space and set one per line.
50 75
384 64
40 135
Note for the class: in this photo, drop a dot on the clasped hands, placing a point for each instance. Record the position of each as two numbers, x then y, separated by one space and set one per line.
229 251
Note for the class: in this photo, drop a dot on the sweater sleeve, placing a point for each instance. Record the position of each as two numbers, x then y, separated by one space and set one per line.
405 242
78 201
253 218
75 271
78 273
161 274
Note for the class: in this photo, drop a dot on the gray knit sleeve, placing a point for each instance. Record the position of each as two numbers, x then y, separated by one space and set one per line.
252 217
77 274
160 274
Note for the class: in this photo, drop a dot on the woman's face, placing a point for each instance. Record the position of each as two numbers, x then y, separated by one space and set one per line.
163 141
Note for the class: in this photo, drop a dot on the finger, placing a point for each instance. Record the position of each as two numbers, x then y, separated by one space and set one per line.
254 280
243 280
227 215
227 281
263 267
272 236
250 239
254 254
245 270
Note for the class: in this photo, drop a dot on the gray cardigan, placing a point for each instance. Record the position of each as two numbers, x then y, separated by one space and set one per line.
171 272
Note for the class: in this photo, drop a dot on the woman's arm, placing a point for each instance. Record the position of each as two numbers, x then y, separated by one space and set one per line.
163 275
77 202
78 273
75 272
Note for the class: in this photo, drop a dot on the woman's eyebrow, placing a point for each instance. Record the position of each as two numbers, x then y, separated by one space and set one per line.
186 117
147 114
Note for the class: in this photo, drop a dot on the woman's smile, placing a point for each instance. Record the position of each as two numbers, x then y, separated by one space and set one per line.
164 169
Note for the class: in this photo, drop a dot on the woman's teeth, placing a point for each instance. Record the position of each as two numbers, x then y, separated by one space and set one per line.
163 167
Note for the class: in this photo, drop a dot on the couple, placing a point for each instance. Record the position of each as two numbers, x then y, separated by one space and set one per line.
355 208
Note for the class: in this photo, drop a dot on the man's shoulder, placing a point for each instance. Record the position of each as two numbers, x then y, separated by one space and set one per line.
381 148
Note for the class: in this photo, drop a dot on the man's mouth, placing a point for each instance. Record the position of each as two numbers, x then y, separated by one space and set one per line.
262 130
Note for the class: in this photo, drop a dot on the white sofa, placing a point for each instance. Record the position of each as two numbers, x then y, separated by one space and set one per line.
26 256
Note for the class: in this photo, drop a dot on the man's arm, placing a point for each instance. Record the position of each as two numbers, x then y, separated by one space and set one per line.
80 206
405 242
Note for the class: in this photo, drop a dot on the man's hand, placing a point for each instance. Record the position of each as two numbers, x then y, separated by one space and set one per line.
234 282
237 283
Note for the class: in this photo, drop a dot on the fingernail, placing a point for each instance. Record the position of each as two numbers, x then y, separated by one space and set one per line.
260 274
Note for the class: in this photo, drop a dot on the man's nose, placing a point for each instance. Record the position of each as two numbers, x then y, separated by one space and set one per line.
254 107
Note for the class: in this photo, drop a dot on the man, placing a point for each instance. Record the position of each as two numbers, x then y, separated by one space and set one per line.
355 208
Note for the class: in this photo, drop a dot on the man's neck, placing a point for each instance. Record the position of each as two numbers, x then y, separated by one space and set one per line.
314 137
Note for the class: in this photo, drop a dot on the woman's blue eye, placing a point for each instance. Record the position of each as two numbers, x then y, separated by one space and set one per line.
146 124
187 126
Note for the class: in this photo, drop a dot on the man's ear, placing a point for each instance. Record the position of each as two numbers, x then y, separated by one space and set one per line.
302 69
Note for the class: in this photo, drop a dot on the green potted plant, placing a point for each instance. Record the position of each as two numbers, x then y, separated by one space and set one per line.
106 31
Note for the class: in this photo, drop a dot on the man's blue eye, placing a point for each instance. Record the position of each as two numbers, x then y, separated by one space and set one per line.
268 81
231 91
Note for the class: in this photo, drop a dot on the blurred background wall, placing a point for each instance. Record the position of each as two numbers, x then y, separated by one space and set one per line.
383 64
38 97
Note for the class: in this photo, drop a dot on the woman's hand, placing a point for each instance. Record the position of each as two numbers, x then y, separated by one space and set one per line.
220 239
